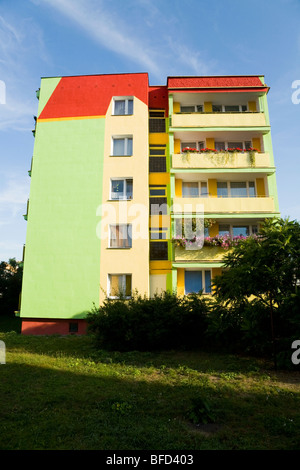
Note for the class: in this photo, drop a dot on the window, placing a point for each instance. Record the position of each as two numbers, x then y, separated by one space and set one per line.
198 108
232 108
192 145
122 146
121 189
157 122
119 285
158 199
123 106
158 250
237 230
220 146
236 189
159 233
157 158
222 190
73 327
194 189
233 145
240 231
195 281
120 236
157 164
224 230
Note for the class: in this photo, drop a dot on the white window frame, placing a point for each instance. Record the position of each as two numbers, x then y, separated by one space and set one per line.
228 146
126 231
124 197
239 105
247 188
123 282
195 106
196 146
199 188
203 280
241 225
126 99
126 138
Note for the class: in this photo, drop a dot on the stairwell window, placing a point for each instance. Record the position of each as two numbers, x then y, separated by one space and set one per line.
122 146
123 106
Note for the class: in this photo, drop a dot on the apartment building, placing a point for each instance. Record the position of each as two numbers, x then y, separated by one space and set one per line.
125 176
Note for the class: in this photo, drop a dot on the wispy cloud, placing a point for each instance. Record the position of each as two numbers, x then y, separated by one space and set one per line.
21 43
13 195
95 21
148 40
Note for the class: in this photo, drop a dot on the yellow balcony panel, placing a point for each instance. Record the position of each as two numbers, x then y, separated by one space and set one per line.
160 267
219 120
224 205
221 160
207 254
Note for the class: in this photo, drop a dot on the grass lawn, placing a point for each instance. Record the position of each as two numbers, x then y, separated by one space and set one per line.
61 393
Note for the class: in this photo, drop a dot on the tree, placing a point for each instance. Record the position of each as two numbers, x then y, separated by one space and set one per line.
10 285
266 266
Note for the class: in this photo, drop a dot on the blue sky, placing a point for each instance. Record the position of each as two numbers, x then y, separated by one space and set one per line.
162 37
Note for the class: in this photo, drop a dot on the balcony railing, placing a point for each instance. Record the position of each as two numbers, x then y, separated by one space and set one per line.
223 205
246 119
205 254
221 160
208 249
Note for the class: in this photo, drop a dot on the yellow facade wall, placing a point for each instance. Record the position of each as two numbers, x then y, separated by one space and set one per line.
210 143
134 261
208 107
180 281
212 187
158 284
176 146
260 187
256 143
214 230
252 106
178 187
176 107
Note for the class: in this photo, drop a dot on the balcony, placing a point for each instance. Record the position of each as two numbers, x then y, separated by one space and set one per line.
228 205
205 255
221 160
212 120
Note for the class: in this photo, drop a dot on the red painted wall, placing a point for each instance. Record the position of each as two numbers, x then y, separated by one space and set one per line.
158 97
58 327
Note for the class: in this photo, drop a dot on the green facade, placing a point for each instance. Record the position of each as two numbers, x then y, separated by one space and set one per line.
62 255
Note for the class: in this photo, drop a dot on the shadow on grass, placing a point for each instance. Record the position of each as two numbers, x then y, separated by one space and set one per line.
68 404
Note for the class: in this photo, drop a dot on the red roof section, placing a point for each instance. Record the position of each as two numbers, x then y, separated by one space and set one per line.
90 95
224 82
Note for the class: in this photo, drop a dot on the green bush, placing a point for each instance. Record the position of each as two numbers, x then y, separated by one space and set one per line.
163 322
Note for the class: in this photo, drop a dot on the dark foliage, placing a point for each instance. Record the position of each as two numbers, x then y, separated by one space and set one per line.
163 322
10 286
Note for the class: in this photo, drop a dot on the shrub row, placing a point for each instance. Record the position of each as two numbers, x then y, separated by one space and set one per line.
170 322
